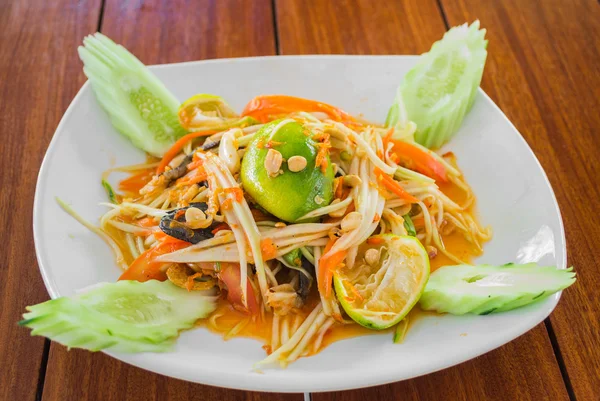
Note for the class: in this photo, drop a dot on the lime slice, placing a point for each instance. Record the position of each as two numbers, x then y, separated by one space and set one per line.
387 280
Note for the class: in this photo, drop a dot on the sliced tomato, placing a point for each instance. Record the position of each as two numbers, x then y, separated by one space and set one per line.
230 275
145 267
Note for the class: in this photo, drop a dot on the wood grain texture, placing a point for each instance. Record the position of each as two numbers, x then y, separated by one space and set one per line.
357 26
543 70
79 375
163 32
524 369
39 76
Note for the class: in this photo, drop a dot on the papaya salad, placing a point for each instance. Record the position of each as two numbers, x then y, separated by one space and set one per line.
293 222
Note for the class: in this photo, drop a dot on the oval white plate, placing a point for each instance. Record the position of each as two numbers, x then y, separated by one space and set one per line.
514 197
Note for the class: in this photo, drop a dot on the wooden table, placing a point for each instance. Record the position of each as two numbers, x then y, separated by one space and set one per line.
543 70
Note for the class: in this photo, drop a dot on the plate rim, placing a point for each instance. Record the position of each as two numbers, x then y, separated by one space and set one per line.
227 381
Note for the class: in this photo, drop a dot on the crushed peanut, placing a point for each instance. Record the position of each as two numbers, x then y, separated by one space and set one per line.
372 256
339 212
352 180
296 163
222 233
431 251
446 228
280 224
319 200
351 221
195 218
273 162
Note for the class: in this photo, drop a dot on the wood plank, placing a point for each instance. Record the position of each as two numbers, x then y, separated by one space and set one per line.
544 72
38 78
80 375
162 31
523 369
357 26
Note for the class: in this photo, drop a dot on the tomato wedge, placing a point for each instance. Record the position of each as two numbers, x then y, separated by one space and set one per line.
145 267
230 275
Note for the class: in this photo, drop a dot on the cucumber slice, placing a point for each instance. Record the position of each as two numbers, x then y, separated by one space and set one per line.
126 316
490 289
138 104
439 91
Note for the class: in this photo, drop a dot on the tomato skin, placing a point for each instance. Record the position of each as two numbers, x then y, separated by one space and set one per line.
145 267
230 275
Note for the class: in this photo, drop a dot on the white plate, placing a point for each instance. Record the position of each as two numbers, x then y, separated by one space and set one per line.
513 192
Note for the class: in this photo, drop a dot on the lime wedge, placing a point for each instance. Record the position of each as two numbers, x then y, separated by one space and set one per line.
386 281
289 195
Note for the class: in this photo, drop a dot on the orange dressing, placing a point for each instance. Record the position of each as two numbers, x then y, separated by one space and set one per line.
225 318
137 181
260 328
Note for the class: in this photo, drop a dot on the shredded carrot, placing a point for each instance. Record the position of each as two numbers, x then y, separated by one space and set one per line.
376 218
195 164
388 137
227 204
146 222
160 236
375 241
177 146
193 180
327 265
320 136
265 107
194 177
190 281
323 153
268 249
237 192
338 187
272 144
390 184
419 160
351 207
